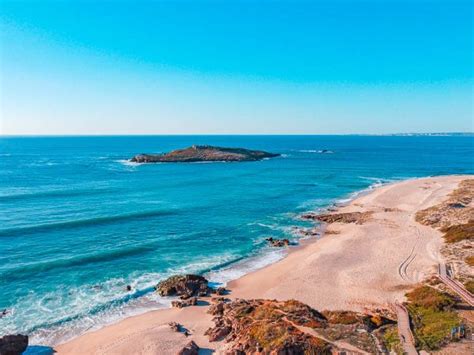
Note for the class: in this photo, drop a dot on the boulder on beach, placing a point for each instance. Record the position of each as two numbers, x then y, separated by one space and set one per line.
190 349
183 285
13 344
185 303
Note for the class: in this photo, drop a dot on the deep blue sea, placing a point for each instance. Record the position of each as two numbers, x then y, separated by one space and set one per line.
78 222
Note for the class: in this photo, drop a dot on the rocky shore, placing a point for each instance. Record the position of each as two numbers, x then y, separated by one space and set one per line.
204 153
331 296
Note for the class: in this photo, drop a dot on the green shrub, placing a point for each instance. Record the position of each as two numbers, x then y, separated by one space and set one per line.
432 328
431 315
392 341
428 297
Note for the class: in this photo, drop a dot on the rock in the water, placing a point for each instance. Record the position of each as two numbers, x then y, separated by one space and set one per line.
190 349
278 242
183 285
13 344
4 313
204 153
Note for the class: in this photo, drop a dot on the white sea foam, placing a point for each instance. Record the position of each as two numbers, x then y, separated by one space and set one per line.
241 268
83 302
318 151
127 162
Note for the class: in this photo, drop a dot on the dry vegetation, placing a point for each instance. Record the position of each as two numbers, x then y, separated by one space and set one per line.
432 310
457 209
455 219
458 233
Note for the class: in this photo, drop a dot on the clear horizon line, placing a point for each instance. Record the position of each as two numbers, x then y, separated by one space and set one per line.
31 135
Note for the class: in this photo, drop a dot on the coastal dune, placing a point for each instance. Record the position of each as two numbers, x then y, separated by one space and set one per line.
357 266
362 265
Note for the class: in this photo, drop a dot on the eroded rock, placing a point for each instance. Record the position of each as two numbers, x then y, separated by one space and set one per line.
289 327
183 285
278 242
185 303
346 217
13 344
190 349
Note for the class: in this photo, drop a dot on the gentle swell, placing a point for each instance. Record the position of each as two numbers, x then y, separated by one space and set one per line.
19 272
10 232
58 193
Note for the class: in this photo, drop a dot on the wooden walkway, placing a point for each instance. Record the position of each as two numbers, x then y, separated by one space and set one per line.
404 331
454 285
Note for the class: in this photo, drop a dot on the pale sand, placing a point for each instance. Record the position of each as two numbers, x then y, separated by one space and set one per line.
364 266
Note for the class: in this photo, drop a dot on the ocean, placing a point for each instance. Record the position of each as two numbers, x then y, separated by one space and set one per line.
78 222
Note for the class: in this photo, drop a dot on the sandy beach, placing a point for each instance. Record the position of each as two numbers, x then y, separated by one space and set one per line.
352 267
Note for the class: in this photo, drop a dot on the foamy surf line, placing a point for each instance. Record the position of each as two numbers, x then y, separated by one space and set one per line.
146 299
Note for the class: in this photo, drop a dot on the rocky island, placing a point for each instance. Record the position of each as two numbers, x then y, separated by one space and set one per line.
197 153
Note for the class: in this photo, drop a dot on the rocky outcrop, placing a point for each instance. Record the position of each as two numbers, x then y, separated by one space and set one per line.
221 291
190 349
198 153
13 344
290 327
262 326
278 242
192 301
347 217
185 286
174 326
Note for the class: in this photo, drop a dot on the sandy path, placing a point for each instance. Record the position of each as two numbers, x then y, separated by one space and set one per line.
364 266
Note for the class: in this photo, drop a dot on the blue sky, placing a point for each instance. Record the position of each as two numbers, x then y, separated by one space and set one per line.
236 67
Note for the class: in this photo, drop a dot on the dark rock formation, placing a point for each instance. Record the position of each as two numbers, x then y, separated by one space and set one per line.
348 217
278 242
4 313
183 285
198 153
13 344
176 327
190 349
216 308
221 291
185 303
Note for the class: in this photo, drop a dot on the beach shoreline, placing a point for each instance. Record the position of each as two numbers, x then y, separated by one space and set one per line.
294 276
219 277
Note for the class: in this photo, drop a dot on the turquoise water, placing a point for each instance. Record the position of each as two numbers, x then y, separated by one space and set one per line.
78 222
